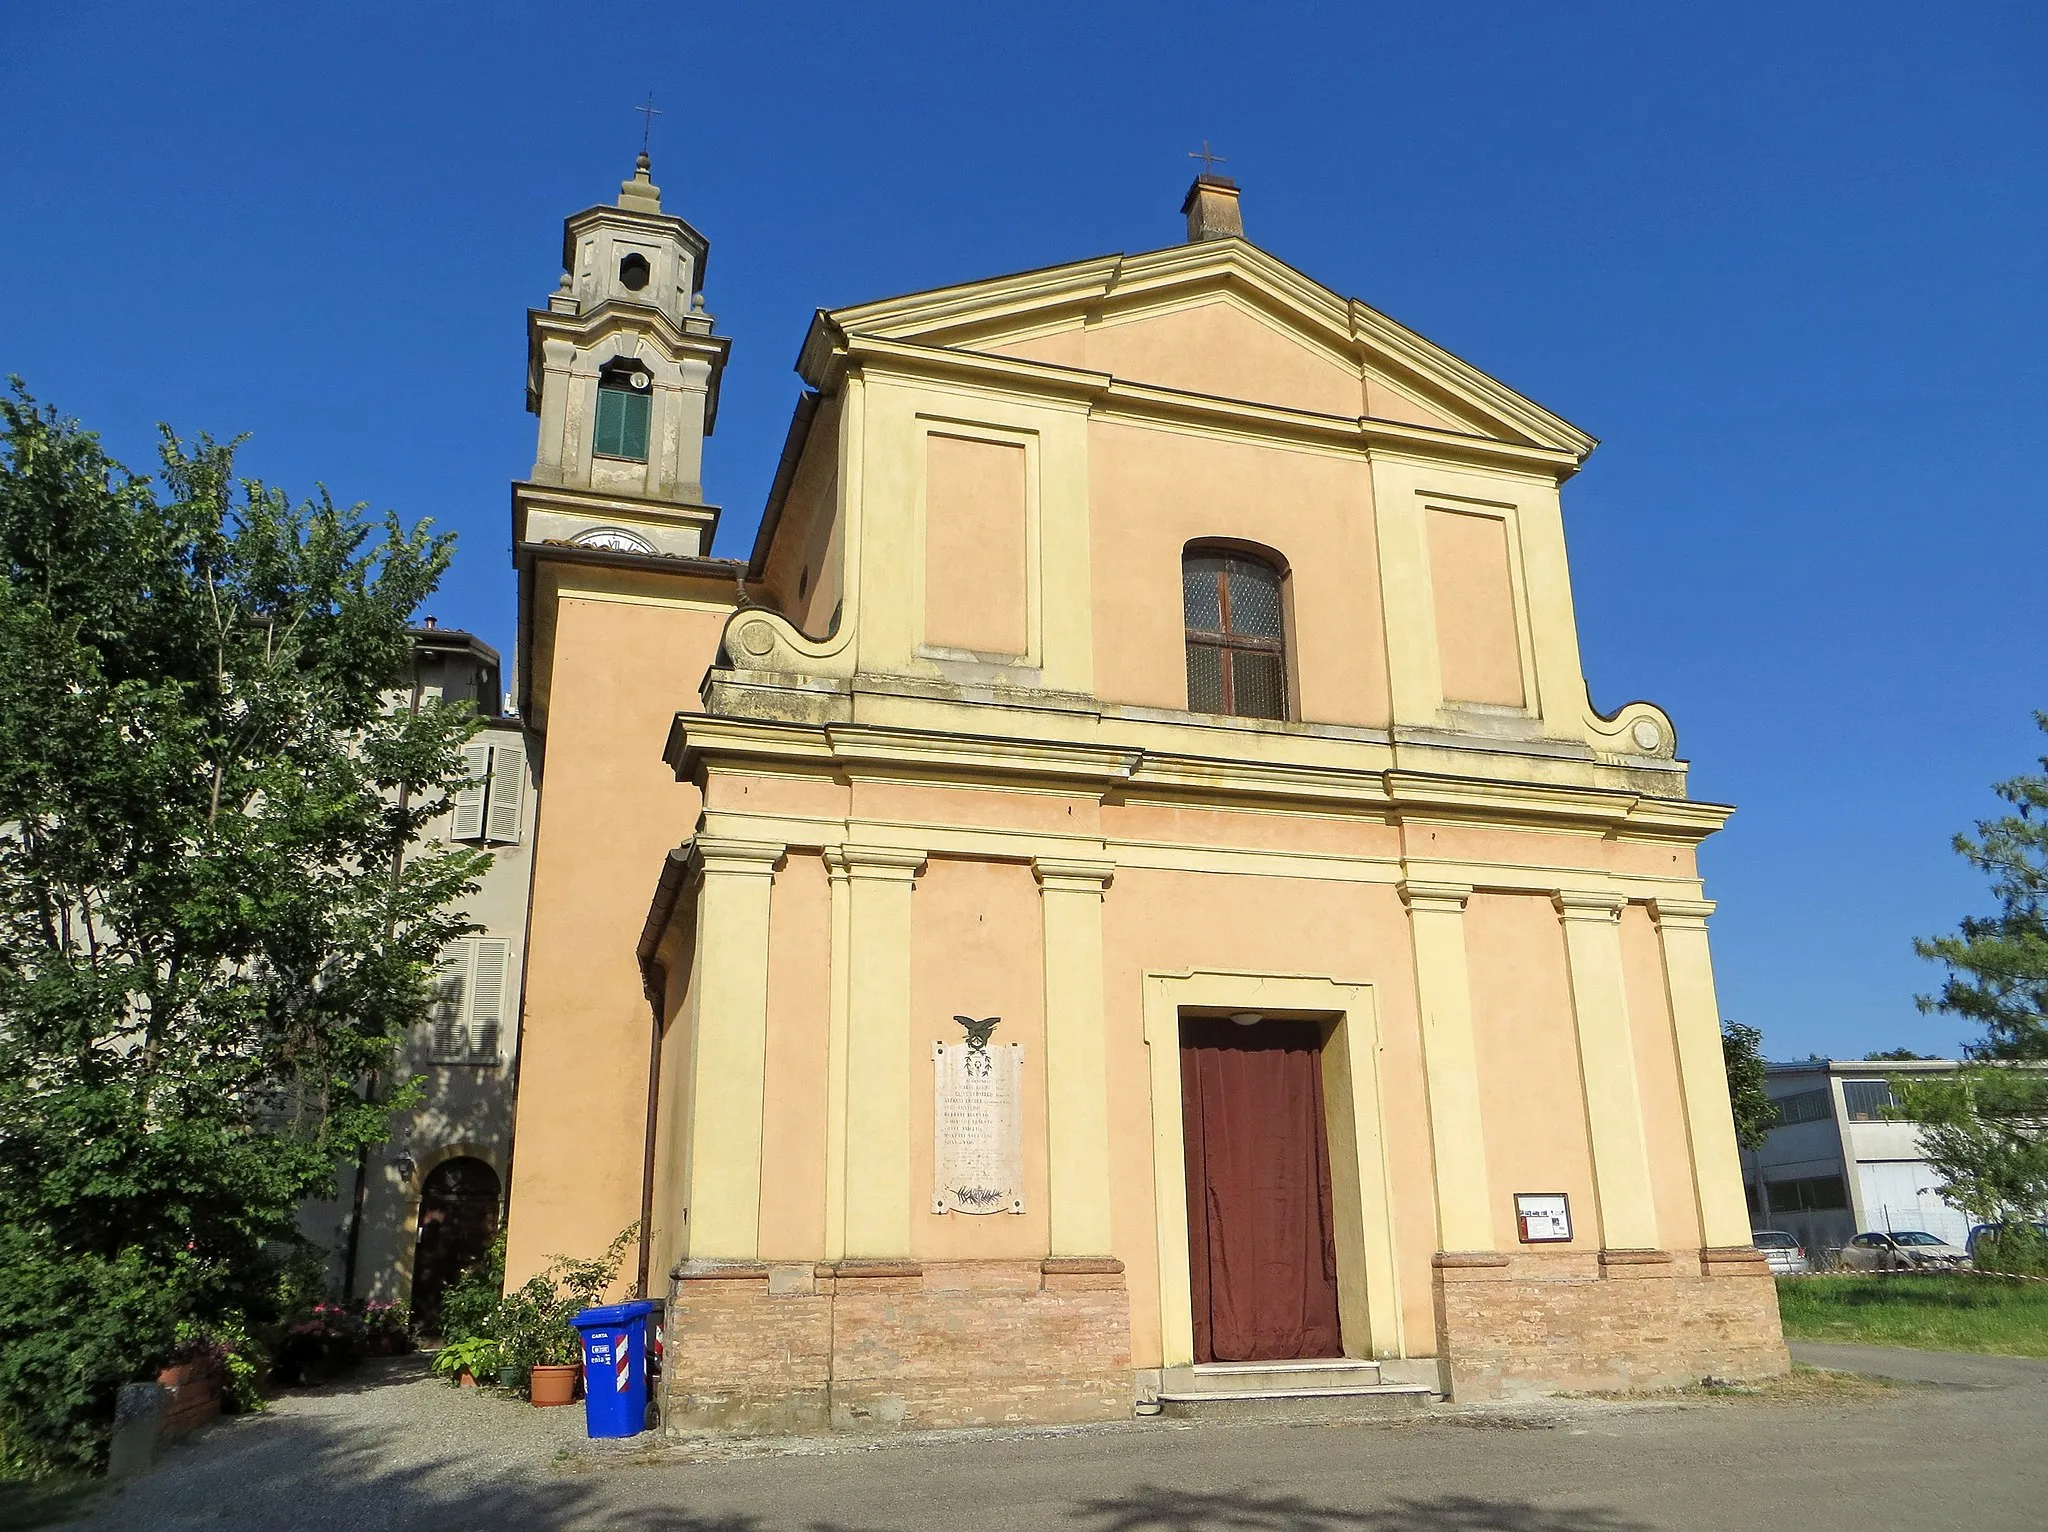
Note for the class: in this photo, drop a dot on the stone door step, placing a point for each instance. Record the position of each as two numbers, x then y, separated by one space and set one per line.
1342 1402
1265 1377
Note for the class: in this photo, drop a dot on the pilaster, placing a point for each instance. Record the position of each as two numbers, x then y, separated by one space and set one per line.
728 1061
1607 1064
1076 1054
835 1054
1450 1062
880 880
1702 1071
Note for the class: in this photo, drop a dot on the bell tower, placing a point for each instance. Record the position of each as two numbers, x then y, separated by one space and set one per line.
623 371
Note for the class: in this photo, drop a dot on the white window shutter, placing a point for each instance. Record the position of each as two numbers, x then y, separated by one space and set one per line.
508 776
487 995
451 983
469 799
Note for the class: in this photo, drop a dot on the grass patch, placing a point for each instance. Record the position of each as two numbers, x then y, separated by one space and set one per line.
1932 1313
44 1502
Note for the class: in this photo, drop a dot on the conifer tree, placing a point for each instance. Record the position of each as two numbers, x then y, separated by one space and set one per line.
1985 1130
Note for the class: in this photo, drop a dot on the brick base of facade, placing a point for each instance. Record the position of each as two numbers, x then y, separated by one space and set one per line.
797 1349
1513 1326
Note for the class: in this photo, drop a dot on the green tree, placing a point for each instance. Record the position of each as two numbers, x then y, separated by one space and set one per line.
1895 1056
1981 1132
1982 1129
1742 1053
216 920
1998 964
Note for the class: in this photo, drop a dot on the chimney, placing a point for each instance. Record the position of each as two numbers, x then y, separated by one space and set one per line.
1211 207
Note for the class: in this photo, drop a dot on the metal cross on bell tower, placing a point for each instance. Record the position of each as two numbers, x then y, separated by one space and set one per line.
650 111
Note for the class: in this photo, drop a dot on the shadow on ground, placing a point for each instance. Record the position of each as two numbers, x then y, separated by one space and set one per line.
1153 1508
276 1475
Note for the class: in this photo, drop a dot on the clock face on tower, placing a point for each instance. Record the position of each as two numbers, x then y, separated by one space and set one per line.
616 538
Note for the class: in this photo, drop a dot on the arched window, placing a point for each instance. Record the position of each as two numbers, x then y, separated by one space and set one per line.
1237 649
624 398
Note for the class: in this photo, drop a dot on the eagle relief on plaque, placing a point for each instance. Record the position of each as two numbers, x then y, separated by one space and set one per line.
977 1122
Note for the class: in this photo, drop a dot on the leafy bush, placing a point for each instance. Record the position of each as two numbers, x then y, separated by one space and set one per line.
2017 1248
327 1342
73 1329
478 1356
226 1346
387 1328
473 1297
532 1325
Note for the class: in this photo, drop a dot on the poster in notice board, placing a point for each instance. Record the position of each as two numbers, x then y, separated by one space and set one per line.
1543 1218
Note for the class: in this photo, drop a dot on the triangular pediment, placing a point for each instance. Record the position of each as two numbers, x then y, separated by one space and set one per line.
1219 318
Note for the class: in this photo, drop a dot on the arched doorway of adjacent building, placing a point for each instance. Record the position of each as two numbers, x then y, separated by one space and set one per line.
458 1220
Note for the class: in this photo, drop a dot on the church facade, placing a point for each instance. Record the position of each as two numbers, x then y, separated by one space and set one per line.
1123 896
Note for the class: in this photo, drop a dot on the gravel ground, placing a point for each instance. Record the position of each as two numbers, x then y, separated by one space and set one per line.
391 1449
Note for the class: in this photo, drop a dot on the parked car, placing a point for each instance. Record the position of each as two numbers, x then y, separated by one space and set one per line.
1901 1250
1985 1230
1782 1252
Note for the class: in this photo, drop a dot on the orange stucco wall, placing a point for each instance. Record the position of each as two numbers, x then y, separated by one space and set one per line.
976 948
793 1098
1530 1091
1313 510
975 951
1174 921
1218 349
610 813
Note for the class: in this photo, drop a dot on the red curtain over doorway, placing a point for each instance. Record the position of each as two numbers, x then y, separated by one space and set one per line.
1261 1251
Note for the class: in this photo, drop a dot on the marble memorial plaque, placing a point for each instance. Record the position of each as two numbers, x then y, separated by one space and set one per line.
978 1128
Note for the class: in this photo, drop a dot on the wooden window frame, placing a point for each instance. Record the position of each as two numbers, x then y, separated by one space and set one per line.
1226 641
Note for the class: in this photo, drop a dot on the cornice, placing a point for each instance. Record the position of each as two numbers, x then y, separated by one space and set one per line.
1681 914
875 353
1434 898
529 555
607 212
612 316
1590 905
699 742
1112 398
962 313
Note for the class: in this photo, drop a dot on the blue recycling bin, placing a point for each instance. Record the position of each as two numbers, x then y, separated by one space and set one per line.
616 1341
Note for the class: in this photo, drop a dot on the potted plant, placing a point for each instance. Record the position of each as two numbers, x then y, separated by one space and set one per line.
465 1362
534 1326
387 1328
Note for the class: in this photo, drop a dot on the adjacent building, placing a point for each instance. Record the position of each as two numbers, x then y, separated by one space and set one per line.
419 1208
1836 1165
1125 880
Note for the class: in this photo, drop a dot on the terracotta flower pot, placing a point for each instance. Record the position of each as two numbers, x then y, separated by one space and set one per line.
554 1385
466 1378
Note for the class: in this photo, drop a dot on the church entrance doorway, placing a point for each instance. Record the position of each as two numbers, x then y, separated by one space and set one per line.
458 1220
1262 1251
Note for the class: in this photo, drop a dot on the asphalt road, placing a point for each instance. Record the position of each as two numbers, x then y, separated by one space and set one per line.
1961 1444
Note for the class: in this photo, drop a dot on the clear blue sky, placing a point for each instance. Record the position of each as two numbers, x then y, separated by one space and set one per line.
1785 260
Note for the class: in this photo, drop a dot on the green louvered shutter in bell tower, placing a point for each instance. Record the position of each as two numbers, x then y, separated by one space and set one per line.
622 424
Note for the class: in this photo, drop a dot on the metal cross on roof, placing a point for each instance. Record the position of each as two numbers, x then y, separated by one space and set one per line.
648 113
1209 161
